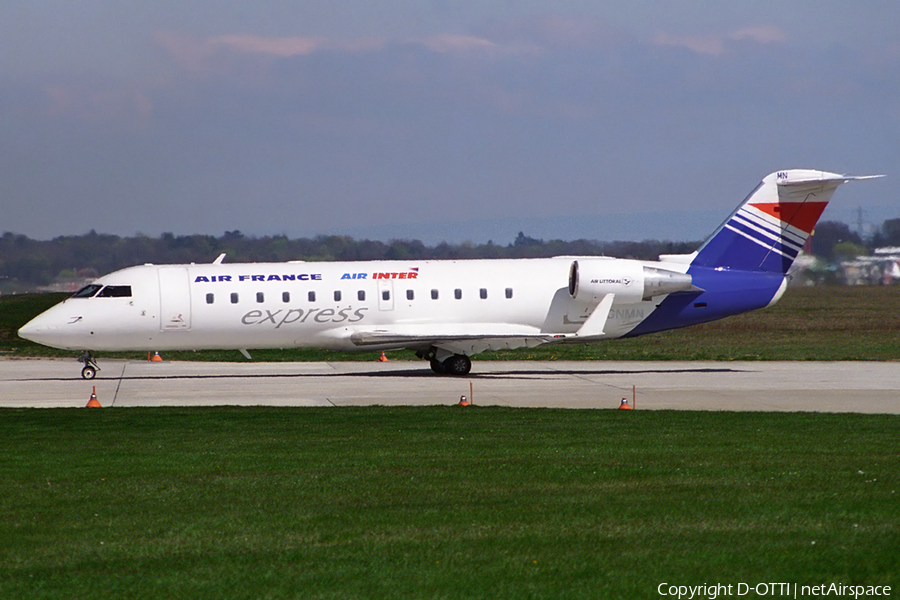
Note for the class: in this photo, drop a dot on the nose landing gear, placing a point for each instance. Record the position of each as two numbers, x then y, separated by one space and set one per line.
90 365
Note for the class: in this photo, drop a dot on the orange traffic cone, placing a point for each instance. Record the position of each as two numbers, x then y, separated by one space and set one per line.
624 405
463 401
382 358
93 402
156 358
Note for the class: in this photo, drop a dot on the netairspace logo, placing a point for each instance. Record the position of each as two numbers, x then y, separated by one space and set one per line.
787 590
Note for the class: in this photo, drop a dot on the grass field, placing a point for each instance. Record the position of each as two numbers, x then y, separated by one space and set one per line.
440 502
817 323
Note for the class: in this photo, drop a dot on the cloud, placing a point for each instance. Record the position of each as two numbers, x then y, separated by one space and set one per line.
762 35
199 55
206 54
715 45
458 43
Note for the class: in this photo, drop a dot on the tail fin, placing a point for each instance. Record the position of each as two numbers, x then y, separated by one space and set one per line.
768 230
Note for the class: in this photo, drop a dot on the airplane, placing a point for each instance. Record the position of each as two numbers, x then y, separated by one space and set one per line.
446 310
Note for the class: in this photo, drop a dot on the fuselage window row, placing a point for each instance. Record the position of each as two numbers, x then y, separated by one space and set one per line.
311 296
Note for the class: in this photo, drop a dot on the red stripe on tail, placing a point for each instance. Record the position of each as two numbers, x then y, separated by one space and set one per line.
802 215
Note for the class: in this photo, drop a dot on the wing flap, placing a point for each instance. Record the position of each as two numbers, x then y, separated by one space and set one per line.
464 338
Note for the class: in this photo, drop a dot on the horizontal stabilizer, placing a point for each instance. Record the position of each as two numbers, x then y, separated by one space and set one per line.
823 177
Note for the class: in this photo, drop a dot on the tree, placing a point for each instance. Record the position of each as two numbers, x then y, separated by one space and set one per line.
888 234
829 234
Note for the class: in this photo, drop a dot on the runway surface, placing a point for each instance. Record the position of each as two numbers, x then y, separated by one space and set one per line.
863 387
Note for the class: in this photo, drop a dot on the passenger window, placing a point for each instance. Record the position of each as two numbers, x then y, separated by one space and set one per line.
434 294
234 298
509 292
410 295
115 291
311 296
361 295
483 293
385 295
210 298
337 295
457 293
260 297
285 297
87 291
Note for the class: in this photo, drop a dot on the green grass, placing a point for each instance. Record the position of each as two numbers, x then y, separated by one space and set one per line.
817 323
440 502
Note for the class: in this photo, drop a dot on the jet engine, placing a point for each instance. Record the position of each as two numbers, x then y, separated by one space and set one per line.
631 282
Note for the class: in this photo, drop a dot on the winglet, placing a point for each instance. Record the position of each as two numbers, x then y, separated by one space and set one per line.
219 259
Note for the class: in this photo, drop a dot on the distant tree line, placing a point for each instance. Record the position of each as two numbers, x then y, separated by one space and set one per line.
27 264
834 241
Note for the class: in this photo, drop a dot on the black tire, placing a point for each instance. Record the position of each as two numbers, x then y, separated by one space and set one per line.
458 364
88 373
437 366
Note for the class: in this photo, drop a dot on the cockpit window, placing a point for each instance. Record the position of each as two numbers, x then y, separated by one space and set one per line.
87 291
115 291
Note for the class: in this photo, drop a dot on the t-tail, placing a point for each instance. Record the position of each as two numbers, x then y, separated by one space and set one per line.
744 265
769 229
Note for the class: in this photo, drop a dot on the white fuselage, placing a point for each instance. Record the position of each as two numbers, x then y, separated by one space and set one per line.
300 304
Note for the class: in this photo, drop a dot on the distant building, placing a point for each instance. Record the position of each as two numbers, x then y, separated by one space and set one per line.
882 268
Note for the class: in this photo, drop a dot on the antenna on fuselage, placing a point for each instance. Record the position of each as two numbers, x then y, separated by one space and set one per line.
219 259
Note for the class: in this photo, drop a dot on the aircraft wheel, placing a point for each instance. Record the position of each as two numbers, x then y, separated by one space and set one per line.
437 366
458 364
88 373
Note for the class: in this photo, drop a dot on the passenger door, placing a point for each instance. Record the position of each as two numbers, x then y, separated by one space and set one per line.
174 299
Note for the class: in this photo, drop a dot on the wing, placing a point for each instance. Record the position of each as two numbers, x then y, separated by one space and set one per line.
472 338
458 338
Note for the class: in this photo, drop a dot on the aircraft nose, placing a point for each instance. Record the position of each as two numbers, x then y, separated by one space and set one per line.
57 327
46 329
34 330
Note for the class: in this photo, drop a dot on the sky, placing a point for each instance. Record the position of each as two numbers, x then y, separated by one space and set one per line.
441 121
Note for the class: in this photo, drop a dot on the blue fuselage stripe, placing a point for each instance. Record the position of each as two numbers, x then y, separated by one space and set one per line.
726 292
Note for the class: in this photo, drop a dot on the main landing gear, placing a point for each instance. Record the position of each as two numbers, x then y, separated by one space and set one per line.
90 365
455 364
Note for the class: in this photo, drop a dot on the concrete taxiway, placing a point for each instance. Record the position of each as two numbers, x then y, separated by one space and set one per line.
863 387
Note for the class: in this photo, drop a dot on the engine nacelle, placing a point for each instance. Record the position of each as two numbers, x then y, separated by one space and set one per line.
631 282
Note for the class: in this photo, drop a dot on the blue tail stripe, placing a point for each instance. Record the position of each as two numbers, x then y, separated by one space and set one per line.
766 242
771 233
731 249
